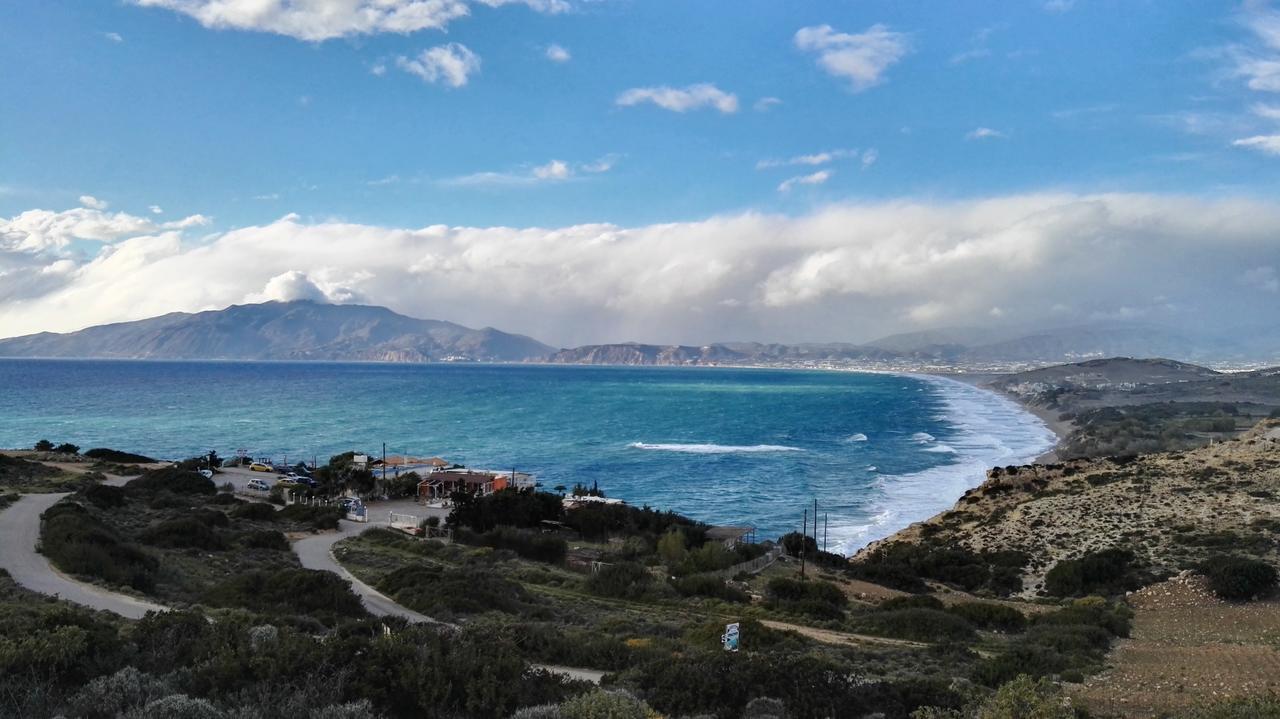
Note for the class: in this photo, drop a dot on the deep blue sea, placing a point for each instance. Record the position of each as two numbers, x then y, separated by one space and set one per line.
728 446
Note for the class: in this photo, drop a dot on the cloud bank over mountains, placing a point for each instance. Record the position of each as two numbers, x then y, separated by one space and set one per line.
842 272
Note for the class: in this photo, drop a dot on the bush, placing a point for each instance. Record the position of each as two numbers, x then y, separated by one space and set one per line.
112 455
914 602
922 625
985 615
705 585
813 597
1267 707
107 697
1239 578
528 544
265 539
105 496
626 580
255 511
44 445
67 448
1108 572
319 517
78 543
172 479
506 508
289 591
182 533
606 704
464 590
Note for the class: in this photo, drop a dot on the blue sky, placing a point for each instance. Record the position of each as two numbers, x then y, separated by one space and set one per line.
205 120
657 170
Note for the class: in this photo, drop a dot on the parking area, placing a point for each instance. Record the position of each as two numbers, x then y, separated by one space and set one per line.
379 512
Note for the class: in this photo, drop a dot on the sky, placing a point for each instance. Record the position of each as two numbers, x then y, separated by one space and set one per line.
653 170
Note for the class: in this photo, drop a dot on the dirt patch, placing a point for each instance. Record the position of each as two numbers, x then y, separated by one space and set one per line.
1188 647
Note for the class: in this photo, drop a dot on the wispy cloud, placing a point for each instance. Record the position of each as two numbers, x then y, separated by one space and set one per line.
860 58
452 64
765 104
383 181
1059 6
1268 144
156 210
983 133
92 202
556 53
113 37
552 171
681 99
813 159
816 178
978 45
869 157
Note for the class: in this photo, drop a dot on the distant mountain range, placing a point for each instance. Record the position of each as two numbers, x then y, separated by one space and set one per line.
305 330
301 330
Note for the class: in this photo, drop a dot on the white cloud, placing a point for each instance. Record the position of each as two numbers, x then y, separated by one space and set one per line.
1269 112
1059 6
842 272
554 170
1269 144
861 58
452 64
681 99
49 232
318 20
556 53
113 37
765 104
290 286
983 133
816 178
869 157
378 70
156 210
383 181
267 197
1263 278
549 172
813 159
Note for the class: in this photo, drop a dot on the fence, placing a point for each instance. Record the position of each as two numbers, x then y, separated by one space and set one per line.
751 566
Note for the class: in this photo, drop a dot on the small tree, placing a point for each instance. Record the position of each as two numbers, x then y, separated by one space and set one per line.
671 547
44 445
67 448
1239 578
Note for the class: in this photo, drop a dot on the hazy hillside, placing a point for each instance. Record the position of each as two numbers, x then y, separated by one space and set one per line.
283 331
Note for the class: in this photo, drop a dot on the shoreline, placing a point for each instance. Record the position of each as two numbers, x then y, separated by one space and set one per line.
1061 428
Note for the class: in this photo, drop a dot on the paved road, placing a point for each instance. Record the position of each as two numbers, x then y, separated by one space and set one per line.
19 535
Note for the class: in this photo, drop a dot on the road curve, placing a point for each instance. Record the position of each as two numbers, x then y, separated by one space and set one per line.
316 552
19 536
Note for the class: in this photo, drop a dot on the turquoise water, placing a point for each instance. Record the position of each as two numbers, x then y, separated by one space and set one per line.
739 446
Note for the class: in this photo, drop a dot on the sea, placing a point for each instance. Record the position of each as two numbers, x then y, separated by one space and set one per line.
750 447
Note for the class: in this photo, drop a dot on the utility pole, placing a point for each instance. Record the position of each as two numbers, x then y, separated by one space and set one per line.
384 464
804 536
824 532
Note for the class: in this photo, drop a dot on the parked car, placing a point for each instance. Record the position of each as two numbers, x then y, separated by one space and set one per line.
286 482
259 485
260 467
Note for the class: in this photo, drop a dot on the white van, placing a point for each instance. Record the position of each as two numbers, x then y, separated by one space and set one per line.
259 485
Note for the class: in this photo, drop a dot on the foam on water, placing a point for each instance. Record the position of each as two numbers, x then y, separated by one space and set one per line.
986 430
715 448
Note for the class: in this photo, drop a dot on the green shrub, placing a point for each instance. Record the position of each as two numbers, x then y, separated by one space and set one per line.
67 448
704 585
462 590
318 517
1267 707
78 543
172 479
814 597
44 445
623 579
255 511
537 546
182 533
1108 572
111 455
264 539
606 704
105 496
1239 578
289 591
924 601
986 615
923 625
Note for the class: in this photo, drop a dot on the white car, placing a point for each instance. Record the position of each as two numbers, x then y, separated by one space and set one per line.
258 485
206 473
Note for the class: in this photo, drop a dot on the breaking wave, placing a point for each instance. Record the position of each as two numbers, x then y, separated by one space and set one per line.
859 437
